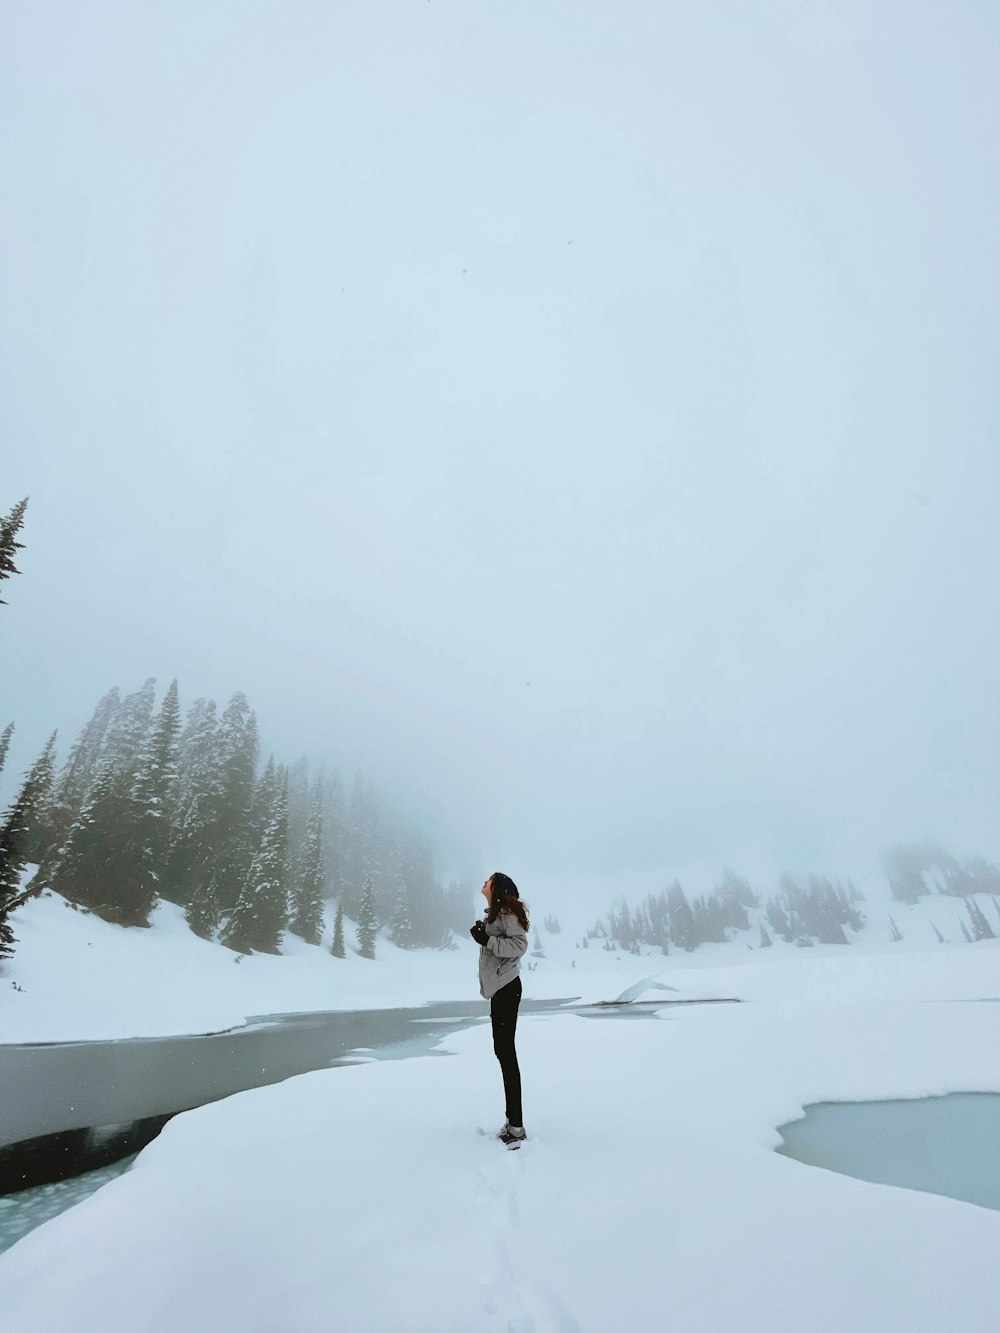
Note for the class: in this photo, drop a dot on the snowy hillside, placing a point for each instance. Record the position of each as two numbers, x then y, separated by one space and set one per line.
74 976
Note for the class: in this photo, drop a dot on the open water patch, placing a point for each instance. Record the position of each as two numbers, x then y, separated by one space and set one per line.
941 1145
28 1209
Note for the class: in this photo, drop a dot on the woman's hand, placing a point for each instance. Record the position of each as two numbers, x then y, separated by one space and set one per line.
478 933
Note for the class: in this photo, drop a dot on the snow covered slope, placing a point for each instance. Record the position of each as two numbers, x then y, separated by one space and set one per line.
75 977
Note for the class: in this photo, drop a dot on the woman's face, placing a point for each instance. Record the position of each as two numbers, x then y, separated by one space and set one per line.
487 889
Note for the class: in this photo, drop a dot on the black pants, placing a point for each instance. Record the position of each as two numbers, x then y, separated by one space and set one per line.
503 1014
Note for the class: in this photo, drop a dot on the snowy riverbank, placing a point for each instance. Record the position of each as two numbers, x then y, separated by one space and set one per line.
647 1198
75 977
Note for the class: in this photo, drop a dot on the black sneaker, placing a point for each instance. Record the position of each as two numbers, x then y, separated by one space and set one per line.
513 1138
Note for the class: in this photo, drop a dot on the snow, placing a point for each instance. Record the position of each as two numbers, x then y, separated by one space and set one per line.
647 1197
193 985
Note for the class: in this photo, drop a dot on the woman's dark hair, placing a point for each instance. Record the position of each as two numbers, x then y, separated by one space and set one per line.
504 897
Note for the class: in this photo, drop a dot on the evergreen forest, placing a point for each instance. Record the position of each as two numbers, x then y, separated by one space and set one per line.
805 910
156 803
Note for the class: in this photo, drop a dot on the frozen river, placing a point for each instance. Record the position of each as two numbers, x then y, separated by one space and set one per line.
72 1087
83 1110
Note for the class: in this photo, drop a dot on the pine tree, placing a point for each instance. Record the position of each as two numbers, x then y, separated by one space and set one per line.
778 920
9 545
622 926
310 884
981 928
264 793
401 923
907 864
337 947
237 748
681 918
367 923
711 917
75 781
765 939
102 865
15 838
127 736
147 814
5 736
194 804
203 912
212 805
42 778
201 720
734 888
261 914
93 846
7 937
850 914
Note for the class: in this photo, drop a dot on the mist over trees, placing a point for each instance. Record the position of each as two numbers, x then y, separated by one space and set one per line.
670 919
152 805
156 803
805 909
917 869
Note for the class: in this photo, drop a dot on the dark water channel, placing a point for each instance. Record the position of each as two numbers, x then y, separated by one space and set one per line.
70 1107
94 1105
942 1145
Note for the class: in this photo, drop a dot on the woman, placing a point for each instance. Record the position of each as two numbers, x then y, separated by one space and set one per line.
503 938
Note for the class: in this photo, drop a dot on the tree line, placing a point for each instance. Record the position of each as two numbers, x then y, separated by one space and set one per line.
805 910
150 805
815 909
670 919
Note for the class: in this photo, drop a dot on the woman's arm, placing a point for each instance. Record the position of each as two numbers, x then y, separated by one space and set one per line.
511 945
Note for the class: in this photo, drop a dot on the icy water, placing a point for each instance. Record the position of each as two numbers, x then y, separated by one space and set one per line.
329 1041
942 1145
22 1212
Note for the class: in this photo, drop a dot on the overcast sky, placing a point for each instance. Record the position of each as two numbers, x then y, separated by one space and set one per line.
584 416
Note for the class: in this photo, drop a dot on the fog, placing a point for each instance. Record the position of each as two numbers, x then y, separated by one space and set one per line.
583 417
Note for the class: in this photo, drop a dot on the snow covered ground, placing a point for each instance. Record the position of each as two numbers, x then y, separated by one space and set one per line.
648 1196
75 977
